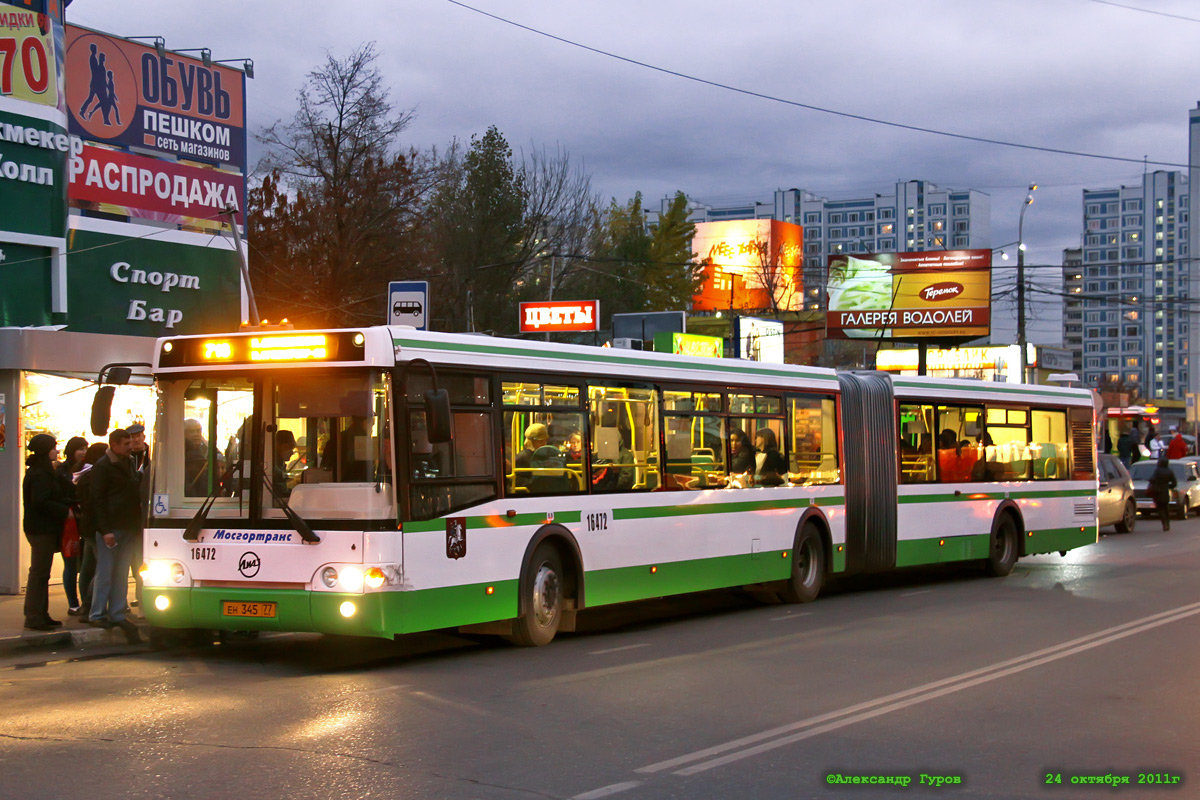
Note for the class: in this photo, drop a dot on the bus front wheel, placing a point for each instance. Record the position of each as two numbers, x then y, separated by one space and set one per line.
1002 556
808 568
543 600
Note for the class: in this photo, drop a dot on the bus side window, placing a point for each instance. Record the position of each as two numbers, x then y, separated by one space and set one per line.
624 439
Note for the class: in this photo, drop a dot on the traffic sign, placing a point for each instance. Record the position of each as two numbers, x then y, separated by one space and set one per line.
408 304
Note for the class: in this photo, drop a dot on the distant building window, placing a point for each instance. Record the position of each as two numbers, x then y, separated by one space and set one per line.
887 213
961 209
835 219
813 218
938 210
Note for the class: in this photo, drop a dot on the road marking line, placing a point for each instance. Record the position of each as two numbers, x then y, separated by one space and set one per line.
921 591
605 791
617 649
929 691
791 616
1153 545
762 748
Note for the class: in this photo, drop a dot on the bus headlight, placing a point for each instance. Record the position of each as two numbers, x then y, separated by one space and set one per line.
352 579
329 577
161 572
374 578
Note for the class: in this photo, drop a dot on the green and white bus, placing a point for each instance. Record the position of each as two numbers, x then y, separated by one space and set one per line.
316 481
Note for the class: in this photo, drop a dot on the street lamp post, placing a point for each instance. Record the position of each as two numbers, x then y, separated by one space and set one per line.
1021 281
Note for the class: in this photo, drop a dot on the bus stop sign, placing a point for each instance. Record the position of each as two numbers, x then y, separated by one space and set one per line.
408 304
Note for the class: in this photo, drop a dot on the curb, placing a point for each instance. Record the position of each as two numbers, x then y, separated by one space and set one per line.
30 642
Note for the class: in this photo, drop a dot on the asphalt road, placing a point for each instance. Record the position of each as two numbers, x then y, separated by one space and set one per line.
1084 667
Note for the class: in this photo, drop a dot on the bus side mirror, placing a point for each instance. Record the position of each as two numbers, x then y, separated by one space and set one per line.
102 409
112 375
437 416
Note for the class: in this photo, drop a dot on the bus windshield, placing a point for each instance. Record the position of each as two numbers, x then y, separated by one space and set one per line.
323 446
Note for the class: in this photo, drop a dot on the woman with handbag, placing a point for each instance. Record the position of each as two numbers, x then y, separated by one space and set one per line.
70 546
46 509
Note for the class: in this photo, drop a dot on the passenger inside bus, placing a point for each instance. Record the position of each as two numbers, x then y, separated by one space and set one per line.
987 469
195 459
613 475
956 458
285 446
536 437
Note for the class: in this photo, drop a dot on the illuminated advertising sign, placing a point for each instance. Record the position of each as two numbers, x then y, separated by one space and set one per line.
749 264
689 344
1000 362
150 188
28 67
938 294
569 315
759 339
124 93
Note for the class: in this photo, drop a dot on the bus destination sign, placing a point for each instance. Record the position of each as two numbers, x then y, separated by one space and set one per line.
259 348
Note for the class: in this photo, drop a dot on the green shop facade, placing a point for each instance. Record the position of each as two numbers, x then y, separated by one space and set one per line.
78 292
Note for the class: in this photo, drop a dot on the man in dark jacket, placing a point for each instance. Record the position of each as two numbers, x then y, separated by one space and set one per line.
1159 487
46 505
117 511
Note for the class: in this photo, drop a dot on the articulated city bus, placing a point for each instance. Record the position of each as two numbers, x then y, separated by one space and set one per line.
383 481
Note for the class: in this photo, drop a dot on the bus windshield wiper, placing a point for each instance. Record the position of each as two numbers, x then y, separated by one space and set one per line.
302 527
192 532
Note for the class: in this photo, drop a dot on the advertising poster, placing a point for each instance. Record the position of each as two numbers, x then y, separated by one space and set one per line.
3 422
749 264
125 94
150 188
759 339
28 65
939 294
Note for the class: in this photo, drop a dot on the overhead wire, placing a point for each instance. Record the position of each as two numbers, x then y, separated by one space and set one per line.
810 106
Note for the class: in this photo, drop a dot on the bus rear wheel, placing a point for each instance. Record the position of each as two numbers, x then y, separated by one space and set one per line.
1002 556
808 568
543 600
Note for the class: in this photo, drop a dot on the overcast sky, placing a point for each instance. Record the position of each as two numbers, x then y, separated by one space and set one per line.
1081 75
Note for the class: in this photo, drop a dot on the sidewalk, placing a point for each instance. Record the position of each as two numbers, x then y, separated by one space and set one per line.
74 633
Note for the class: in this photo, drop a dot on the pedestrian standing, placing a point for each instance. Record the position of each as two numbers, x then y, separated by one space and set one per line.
72 462
1125 448
117 509
1159 487
1177 447
87 524
46 507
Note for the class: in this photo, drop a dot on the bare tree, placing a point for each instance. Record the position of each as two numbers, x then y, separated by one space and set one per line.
337 211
